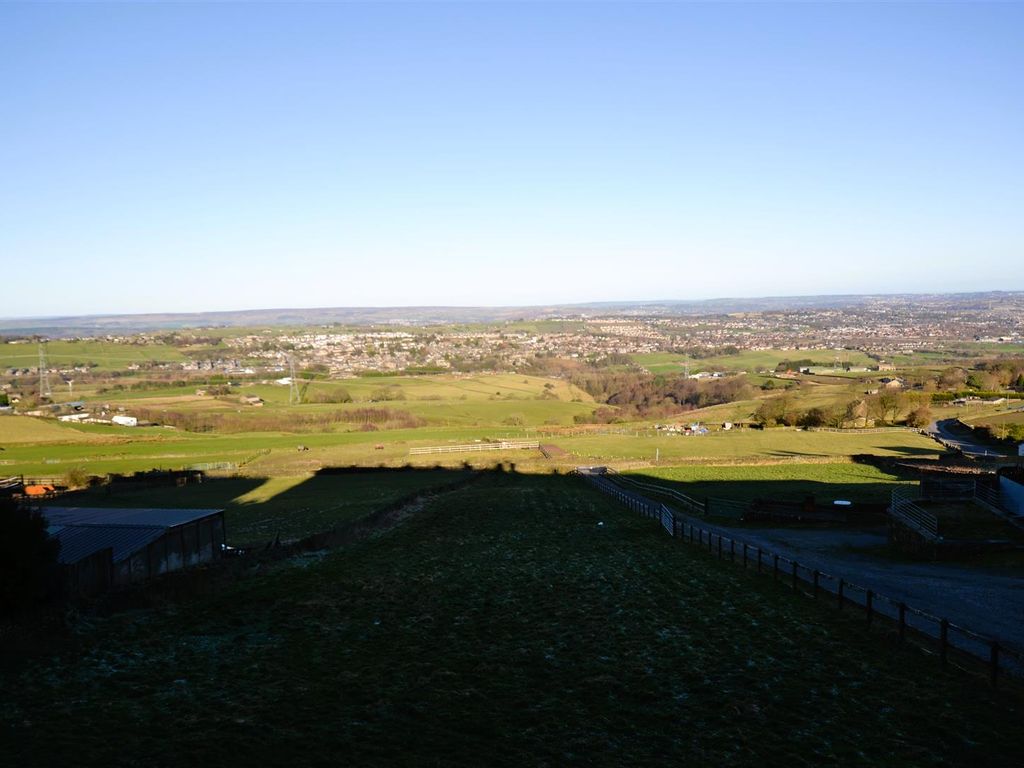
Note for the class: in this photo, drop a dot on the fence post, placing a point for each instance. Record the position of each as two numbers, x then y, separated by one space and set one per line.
944 640
732 550
691 533
719 546
903 620
839 593
816 574
775 568
795 567
744 556
994 663
758 559
869 606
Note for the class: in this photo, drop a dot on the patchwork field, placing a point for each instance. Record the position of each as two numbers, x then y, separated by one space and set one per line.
119 450
520 632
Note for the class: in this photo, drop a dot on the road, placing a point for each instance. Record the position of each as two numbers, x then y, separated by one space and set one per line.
954 435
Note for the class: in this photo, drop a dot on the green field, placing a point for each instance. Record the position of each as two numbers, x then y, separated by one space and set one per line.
259 509
500 625
122 450
780 444
25 429
107 356
860 483
1015 416
747 360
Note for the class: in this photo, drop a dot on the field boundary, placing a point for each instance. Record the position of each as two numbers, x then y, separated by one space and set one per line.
953 644
504 445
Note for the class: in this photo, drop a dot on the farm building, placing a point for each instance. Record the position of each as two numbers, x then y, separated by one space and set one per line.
102 548
126 421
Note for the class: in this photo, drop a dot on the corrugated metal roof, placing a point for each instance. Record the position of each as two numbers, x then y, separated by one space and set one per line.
162 518
83 531
78 542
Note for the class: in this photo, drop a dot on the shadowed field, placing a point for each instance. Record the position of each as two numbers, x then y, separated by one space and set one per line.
500 625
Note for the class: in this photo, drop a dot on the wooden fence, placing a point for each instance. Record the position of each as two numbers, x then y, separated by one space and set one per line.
953 644
506 445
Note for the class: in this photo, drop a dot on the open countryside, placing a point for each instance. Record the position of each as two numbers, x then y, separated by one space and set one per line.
511 384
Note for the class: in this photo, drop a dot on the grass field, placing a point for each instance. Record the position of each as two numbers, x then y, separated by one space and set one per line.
500 625
25 429
764 444
747 360
439 400
106 356
47 449
860 483
259 509
1015 416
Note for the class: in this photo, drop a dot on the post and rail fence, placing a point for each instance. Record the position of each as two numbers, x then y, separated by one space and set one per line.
952 644
504 445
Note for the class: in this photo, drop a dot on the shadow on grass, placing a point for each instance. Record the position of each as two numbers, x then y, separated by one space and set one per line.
866 495
262 510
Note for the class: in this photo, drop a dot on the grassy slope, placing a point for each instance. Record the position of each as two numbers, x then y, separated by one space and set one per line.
854 482
501 626
127 449
769 444
26 429
1013 417
258 509
748 360
106 355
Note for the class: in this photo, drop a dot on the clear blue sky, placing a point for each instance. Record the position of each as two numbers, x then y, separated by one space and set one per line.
183 157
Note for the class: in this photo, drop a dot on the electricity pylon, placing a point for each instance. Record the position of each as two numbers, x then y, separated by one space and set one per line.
294 396
44 375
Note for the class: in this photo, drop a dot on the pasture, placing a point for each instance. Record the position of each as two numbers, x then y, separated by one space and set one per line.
1013 415
860 483
43 448
28 430
101 355
747 360
499 625
777 443
260 509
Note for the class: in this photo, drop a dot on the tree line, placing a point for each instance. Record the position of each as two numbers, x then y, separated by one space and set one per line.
631 396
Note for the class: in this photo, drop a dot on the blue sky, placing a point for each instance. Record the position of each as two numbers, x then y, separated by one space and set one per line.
182 157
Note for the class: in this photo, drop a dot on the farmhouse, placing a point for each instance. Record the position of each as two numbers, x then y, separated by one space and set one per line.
103 548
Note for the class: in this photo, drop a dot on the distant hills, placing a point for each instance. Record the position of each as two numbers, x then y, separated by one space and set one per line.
92 325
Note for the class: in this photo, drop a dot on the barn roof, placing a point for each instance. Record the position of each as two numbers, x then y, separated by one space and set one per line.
83 531
79 541
147 516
